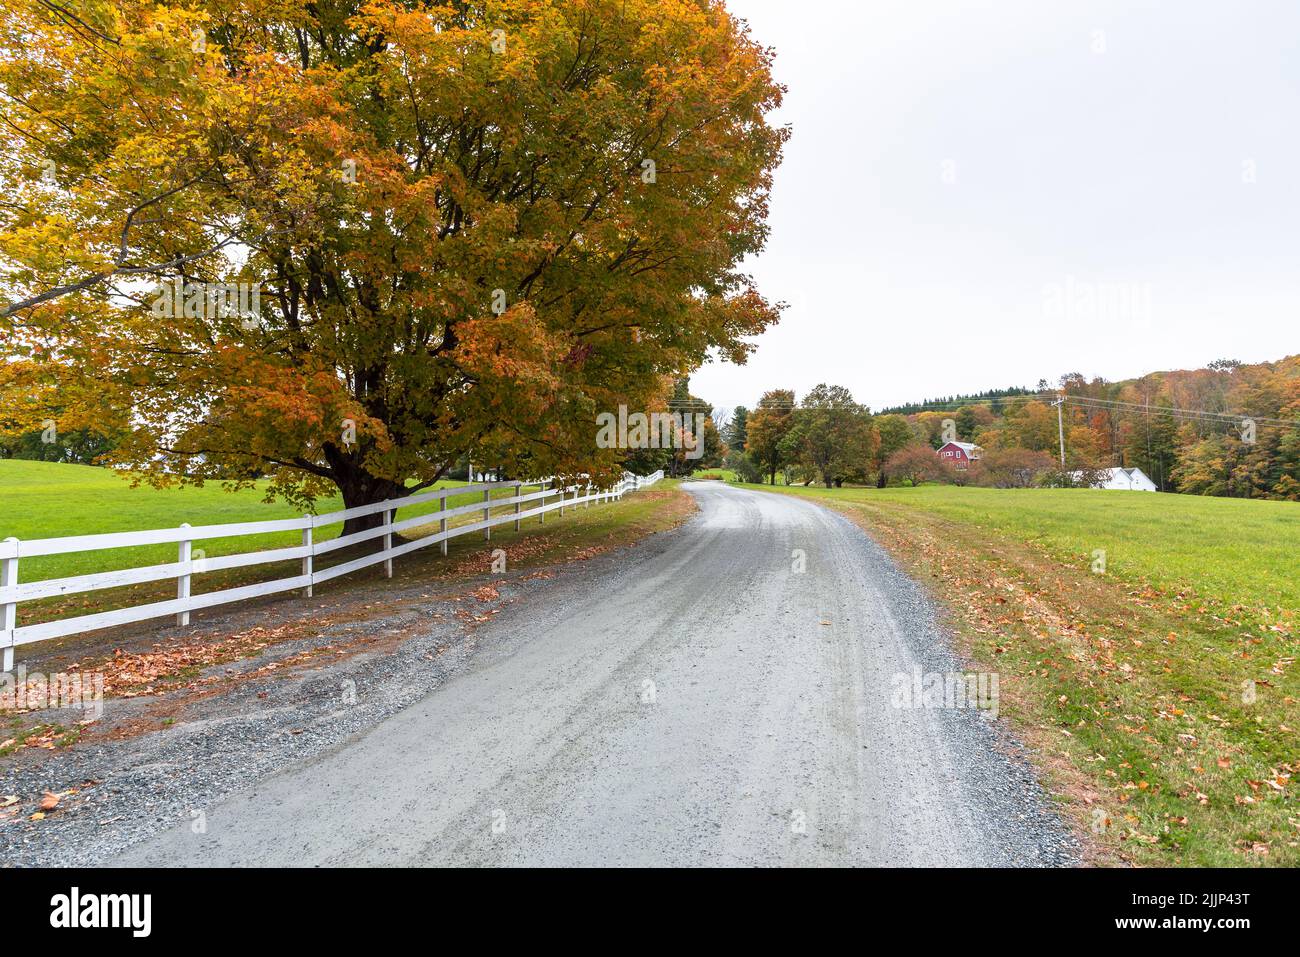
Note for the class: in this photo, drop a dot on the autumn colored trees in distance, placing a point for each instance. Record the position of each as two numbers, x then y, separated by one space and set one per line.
348 244
1185 429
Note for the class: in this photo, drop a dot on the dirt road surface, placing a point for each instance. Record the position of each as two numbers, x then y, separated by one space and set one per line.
729 699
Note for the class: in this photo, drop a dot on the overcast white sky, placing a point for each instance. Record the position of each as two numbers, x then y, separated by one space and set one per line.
982 194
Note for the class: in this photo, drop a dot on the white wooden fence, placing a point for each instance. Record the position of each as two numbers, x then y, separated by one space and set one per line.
545 499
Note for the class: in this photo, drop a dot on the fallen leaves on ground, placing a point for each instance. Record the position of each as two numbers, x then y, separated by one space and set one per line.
128 674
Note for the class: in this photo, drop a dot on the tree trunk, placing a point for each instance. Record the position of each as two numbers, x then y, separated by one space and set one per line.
361 488
880 482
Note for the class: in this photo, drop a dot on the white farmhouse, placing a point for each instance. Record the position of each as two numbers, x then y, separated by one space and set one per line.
1132 480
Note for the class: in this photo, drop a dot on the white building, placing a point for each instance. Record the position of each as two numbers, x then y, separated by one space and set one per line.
1132 480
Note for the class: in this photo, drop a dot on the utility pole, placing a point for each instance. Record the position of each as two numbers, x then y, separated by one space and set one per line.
1060 426
1147 419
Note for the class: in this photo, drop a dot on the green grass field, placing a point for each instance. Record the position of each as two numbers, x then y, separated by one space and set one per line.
1242 550
50 500
1159 699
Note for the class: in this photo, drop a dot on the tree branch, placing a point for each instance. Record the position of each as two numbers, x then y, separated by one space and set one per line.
96 278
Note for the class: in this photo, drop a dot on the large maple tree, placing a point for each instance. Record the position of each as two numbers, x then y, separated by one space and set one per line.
475 225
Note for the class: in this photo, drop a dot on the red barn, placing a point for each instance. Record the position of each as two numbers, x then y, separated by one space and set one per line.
960 454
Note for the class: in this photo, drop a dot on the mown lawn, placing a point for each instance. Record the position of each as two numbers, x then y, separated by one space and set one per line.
1240 550
50 500
1160 697
724 475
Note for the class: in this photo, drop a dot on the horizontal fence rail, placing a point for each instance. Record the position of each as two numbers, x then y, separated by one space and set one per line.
526 505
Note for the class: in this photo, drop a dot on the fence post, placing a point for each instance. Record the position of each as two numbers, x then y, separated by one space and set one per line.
562 503
307 559
9 621
487 514
442 524
388 540
519 490
183 579
541 518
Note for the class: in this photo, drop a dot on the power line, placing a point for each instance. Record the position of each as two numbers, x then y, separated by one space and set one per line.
1218 418
932 407
1233 416
1103 405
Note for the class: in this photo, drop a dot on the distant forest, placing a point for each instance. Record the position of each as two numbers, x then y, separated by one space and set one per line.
1227 429
992 397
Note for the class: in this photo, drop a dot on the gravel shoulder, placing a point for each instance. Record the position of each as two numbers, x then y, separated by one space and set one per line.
692 700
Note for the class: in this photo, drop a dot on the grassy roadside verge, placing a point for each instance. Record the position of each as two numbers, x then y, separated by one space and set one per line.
1160 697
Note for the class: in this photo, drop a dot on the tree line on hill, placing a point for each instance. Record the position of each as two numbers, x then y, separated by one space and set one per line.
1229 429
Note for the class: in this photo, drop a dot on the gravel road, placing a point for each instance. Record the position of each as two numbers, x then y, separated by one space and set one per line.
702 703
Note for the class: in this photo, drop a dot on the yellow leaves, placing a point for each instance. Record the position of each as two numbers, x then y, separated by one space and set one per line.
475 168
515 346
